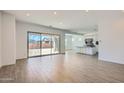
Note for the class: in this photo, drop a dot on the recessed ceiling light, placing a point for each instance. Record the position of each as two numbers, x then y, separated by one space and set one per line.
27 14
54 13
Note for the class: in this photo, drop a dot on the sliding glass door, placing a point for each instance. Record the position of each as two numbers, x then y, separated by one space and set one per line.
42 44
33 44
46 44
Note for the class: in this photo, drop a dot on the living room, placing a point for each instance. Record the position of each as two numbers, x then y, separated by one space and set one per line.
36 40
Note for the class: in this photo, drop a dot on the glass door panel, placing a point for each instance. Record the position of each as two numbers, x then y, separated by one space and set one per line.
33 44
55 44
46 44
42 44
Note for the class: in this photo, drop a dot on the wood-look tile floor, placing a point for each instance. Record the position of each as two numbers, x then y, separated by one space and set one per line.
75 68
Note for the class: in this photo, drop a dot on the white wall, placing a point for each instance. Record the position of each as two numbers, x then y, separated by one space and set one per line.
0 38
8 39
21 37
111 35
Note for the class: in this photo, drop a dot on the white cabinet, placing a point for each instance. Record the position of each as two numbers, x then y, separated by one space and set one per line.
87 50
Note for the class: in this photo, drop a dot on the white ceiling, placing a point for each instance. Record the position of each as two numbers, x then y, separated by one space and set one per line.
74 20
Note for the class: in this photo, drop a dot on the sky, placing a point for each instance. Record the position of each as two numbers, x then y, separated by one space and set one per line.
37 37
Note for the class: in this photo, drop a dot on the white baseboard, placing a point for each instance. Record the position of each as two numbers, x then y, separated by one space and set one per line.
118 61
